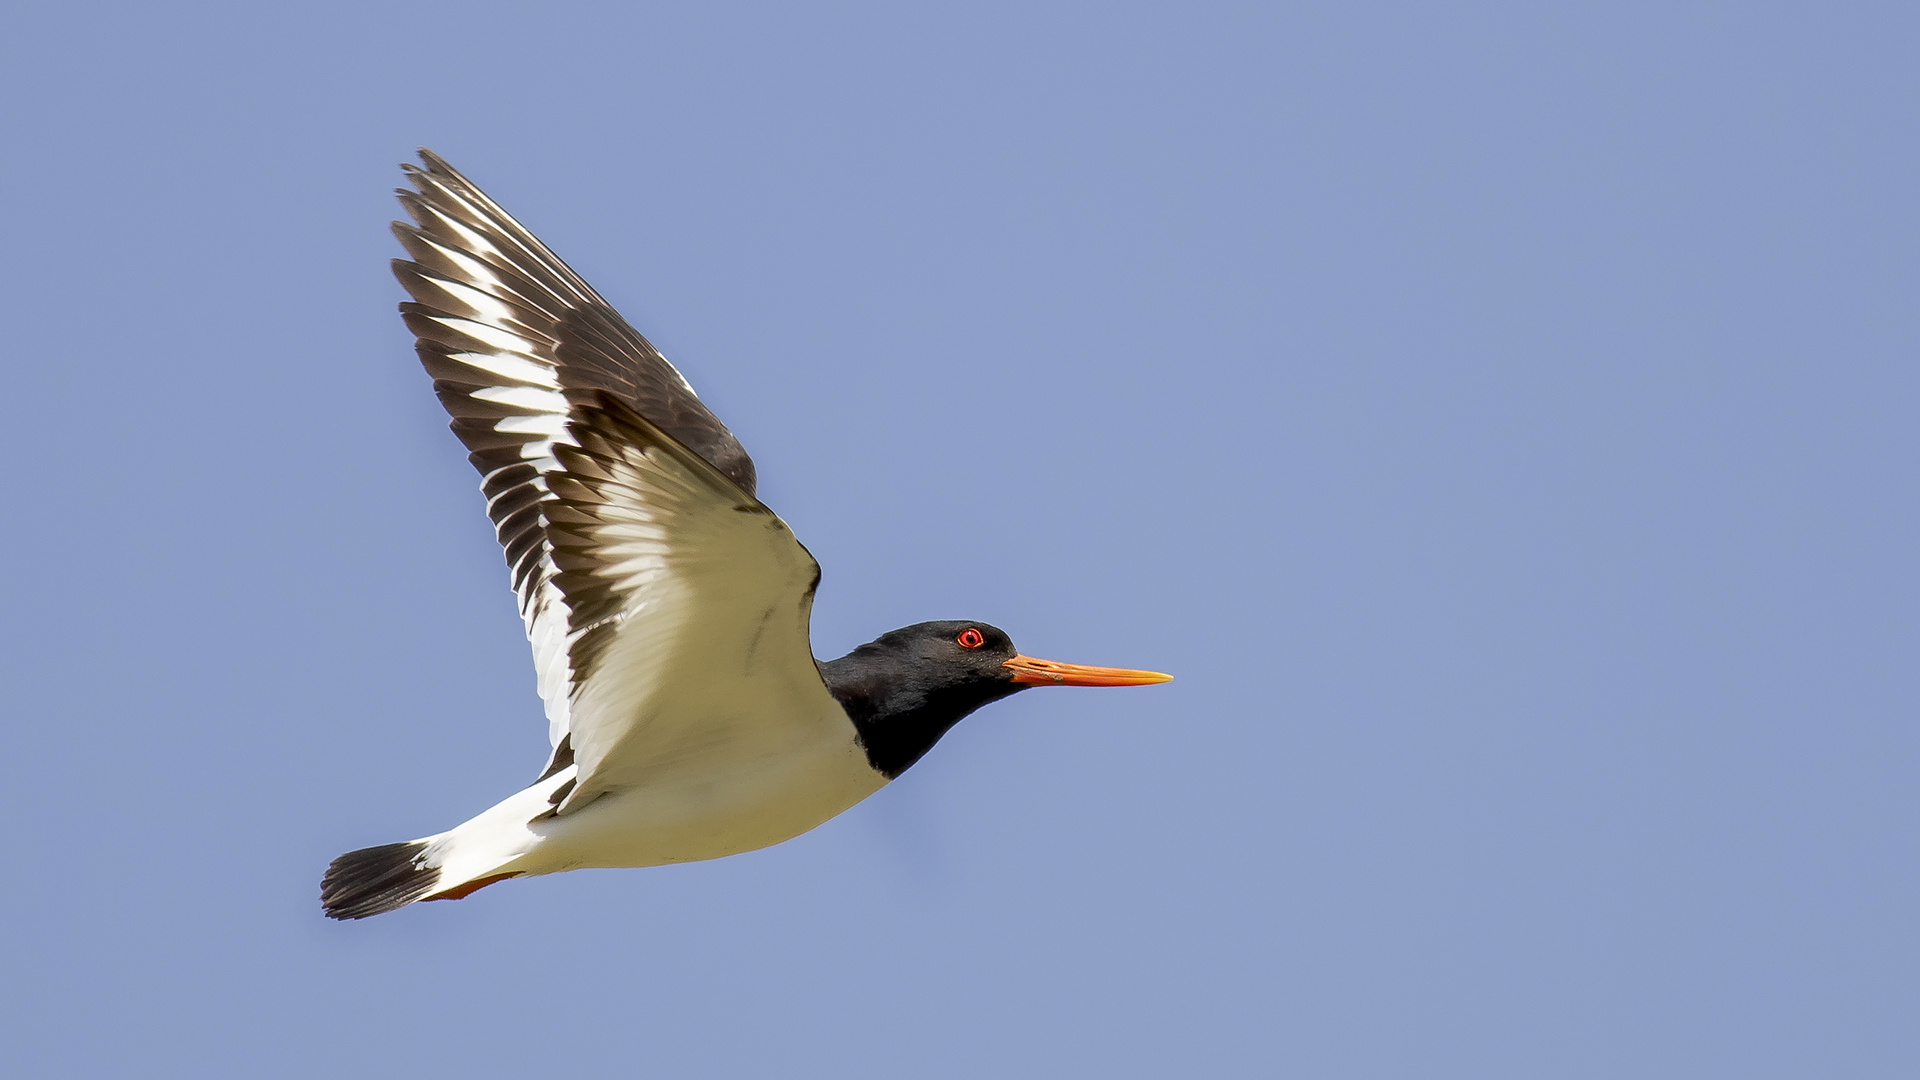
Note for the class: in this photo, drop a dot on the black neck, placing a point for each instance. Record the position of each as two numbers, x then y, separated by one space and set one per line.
901 708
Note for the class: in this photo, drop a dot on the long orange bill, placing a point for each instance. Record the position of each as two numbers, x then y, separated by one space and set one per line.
1036 672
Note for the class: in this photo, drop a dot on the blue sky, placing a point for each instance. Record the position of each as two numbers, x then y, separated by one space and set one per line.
1500 417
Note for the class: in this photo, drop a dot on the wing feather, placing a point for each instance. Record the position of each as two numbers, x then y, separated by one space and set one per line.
515 342
689 603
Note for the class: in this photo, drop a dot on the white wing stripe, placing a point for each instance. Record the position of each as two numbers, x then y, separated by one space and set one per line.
479 304
487 334
546 425
523 397
517 369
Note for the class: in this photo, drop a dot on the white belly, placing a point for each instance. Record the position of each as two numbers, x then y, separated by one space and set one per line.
749 763
709 809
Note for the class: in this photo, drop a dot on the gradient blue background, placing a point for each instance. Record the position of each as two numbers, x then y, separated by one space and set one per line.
1501 418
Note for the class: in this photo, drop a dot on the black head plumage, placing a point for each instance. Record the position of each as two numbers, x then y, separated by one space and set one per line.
906 688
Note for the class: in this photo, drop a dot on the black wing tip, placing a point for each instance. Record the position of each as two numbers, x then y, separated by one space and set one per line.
431 161
434 166
375 880
432 172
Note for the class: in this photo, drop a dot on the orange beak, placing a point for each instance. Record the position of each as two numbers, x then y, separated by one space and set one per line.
1032 671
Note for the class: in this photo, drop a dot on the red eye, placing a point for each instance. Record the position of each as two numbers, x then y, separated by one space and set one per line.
970 639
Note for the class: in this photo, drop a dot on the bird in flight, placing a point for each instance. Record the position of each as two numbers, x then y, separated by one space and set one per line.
666 606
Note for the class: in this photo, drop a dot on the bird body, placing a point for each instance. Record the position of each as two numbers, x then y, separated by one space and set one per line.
666 606
704 806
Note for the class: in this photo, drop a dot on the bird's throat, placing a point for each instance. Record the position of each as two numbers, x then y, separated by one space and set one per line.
899 713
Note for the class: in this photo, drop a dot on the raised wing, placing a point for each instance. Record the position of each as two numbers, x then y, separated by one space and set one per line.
689 603
514 339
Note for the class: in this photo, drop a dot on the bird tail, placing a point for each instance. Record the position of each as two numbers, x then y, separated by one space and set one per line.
376 879
485 849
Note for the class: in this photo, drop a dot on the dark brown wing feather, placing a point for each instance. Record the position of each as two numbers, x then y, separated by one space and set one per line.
516 343
590 346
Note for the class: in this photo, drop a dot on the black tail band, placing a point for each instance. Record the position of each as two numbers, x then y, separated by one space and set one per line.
376 879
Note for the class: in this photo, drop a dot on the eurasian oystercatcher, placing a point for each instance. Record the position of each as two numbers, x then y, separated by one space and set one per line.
667 607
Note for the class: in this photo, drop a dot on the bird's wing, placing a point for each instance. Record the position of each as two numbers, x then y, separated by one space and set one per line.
514 339
688 604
